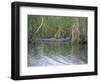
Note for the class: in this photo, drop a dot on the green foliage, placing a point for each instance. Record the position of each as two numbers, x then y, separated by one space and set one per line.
57 27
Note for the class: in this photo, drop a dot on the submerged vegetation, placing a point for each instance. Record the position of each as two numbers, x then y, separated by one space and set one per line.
57 27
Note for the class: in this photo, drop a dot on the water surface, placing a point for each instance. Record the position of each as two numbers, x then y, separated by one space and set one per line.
56 53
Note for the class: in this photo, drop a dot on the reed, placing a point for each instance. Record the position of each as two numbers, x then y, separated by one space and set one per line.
57 27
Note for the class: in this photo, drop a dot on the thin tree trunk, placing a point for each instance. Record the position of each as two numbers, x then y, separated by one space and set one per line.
40 25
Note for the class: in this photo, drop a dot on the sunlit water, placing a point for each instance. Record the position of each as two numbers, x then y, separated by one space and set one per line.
56 53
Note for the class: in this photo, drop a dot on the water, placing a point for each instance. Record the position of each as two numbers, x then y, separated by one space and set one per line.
56 53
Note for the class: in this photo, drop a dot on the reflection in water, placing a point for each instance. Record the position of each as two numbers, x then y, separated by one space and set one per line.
56 53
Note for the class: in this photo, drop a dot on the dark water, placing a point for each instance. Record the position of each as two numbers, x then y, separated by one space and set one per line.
56 53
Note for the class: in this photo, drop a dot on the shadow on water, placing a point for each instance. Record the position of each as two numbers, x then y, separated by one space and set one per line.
56 53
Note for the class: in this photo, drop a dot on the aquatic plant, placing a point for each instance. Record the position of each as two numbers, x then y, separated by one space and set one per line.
57 27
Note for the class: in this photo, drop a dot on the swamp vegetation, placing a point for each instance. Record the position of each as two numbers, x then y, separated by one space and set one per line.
57 40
